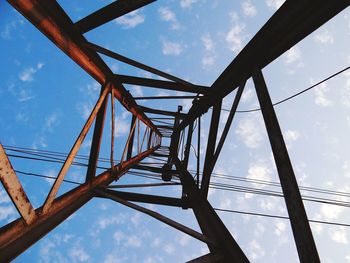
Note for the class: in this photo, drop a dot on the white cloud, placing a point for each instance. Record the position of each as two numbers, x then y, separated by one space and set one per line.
339 236
235 39
256 251
331 212
248 9
320 96
324 37
280 228
293 55
169 248
258 172
134 241
208 60
52 121
209 57
27 75
207 42
274 4
131 19
172 48
187 3
291 136
166 14
136 91
250 132
79 253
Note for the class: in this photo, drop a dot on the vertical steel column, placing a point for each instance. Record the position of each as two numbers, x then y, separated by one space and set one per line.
209 222
188 145
301 229
96 138
132 131
214 125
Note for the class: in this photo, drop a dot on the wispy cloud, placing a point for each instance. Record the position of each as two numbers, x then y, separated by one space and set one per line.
235 37
172 48
249 9
131 20
209 56
187 3
274 4
250 132
324 38
166 14
27 75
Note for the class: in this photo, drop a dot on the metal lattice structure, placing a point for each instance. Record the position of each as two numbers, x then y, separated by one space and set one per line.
295 20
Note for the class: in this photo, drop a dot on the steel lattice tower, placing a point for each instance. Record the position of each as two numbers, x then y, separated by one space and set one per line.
295 20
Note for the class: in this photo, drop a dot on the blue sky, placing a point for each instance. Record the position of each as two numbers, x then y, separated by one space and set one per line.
46 98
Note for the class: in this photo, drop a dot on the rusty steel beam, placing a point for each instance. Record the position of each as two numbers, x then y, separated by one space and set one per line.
109 12
55 187
292 22
17 236
97 138
300 225
136 64
52 21
161 84
14 188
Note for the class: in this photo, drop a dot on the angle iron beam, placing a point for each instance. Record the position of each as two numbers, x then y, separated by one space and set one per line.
301 229
188 145
208 258
74 150
109 12
208 220
163 112
161 84
16 236
14 188
228 124
164 97
208 162
292 22
97 138
52 21
156 215
132 134
136 64
150 199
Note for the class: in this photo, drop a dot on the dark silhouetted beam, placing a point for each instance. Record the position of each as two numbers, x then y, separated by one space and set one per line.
209 222
214 125
301 229
150 199
136 64
163 112
109 12
290 24
164 97
155 215
208 258
161 84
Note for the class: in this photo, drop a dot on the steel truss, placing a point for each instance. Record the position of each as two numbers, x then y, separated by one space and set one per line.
295 20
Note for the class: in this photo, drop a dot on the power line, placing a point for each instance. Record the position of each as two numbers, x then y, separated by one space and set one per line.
279 217
296 94
217 209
